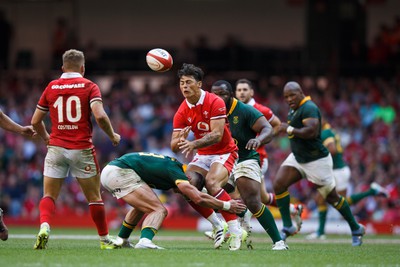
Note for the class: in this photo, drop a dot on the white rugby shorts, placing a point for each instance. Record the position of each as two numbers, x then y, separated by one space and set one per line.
248 168
120 181
318 172
82 163
205 161
342 177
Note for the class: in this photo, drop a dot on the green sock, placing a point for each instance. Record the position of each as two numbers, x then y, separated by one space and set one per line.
322 212
353 199
267 221
126 229
343 207
148 232
283 202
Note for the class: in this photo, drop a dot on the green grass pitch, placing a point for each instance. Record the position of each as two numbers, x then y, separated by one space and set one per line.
76 247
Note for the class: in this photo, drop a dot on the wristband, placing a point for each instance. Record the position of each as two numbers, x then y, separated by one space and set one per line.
289 130
226 205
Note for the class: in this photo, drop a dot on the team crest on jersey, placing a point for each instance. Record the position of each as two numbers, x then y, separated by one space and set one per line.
235 119
189 119
205 113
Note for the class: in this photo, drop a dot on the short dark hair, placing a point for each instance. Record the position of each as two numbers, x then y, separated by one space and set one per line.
191 70
244 81
224 84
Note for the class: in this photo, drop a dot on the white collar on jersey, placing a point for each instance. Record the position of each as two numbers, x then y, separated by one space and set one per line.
201 100
68 75
251 102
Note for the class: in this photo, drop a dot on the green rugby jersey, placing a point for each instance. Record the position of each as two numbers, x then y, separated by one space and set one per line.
241 118
306 150
158 171
329 135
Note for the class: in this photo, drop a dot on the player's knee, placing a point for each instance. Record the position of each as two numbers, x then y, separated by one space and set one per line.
162 211
253 205
196 179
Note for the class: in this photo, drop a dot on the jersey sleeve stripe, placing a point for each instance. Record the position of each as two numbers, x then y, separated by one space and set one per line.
42 108
181 181
178 129
96 99
218 117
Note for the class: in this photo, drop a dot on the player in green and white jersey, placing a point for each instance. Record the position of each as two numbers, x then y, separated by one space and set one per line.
250 130
341 171
309 159
131 178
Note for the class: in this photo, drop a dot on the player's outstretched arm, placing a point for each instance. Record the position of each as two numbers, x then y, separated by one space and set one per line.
8 124
104 123
208 201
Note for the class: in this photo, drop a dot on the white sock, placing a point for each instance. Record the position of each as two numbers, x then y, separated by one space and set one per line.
45 224
234 227
215 220
104 237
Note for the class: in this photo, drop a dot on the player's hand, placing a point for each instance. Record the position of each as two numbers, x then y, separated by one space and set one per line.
28 131
184 133
236 206
253 144
282 127
186 146
116 139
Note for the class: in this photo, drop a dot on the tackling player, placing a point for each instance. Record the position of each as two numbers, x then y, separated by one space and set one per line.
71 100
130 177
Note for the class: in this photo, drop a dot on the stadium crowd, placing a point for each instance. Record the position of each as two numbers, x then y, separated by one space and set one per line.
364 110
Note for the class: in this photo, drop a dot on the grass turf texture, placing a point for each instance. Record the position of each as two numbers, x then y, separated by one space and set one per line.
192 249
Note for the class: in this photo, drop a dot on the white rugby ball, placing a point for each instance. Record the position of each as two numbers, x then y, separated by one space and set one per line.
159 59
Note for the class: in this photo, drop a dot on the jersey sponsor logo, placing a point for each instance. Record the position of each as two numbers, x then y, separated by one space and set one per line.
68 86
67 127
203 126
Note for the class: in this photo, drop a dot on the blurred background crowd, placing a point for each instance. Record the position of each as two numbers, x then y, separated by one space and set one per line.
356 84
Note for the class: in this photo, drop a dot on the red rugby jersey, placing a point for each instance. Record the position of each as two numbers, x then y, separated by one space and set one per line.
68 100
209 107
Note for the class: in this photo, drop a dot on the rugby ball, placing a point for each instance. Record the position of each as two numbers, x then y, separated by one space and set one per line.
159 60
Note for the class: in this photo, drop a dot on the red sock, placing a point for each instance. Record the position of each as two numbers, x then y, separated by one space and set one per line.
99 217
272 200
47 208
203 211
224 196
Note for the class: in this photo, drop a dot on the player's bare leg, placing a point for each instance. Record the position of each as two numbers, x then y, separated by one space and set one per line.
146 201
340 204
285 177
132 218
250 192
214 179
3 227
